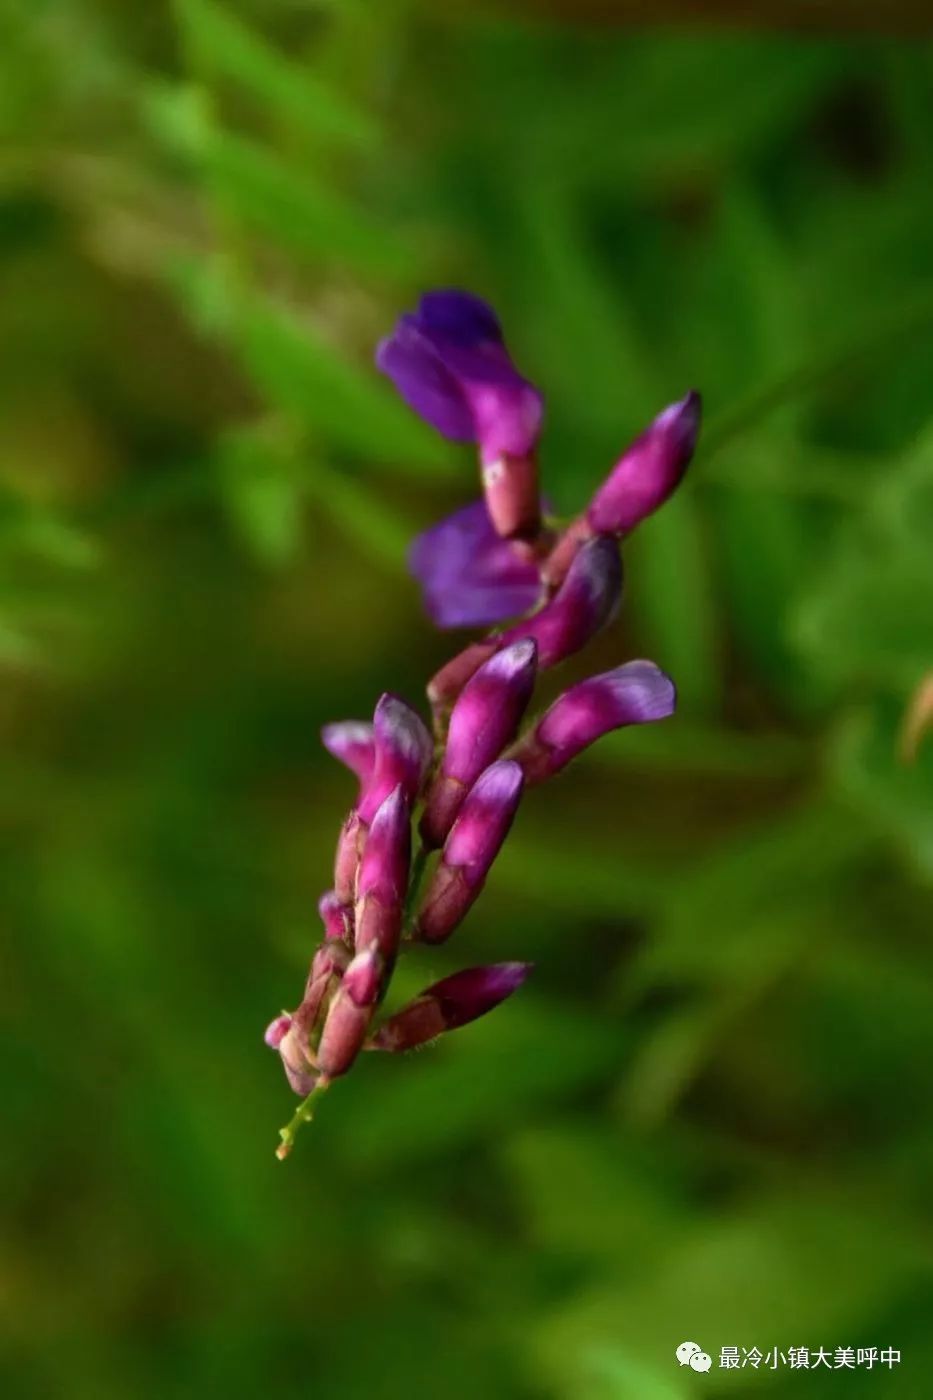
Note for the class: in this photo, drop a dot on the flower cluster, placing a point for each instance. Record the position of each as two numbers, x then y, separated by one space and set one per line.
459 787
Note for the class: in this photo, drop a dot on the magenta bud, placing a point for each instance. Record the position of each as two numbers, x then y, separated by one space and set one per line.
336 916
387 853
586 600
353 743
637 693
649 471
473 844
383 878
350 1013
404 750
484 720
450 1003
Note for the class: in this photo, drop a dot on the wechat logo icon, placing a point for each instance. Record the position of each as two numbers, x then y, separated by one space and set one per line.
689 1354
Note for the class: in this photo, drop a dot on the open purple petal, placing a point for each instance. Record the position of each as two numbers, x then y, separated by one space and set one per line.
418 373
471 577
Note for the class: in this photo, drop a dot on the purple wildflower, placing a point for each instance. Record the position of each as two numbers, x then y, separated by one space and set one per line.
449 362
470 576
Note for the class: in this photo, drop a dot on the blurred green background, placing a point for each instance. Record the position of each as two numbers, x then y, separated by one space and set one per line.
708 1115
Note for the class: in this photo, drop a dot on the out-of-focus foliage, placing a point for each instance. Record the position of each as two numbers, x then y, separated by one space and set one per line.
708 1116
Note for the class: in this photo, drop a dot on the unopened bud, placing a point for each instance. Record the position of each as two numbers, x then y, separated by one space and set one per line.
450 1003
473 844
383 878
649 471
637 693
404 750
484 720
350 1013
584 603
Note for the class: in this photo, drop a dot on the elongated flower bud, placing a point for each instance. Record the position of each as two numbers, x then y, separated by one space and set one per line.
585 602
353 742
484 719
336 916
448 1004
350 1013
403 754
383 878
347 859
637 693
473 844
648 471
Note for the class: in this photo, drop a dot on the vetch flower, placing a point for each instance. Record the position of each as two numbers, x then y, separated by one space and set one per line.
449 1004
449 362
484 719
469 575
486 565
469 851
637 693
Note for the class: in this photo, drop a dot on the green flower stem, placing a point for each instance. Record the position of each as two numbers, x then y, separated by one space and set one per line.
303 1114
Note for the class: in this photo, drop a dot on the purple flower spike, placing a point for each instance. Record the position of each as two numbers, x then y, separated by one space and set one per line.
637 693
484 719
404 749
470 576
383 877
353 743
473 844
649 471
585 602
449 362
448 1004
350 1013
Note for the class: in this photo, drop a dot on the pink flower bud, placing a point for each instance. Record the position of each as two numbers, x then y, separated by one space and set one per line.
473 844
585 602
383 877
637 693
336 916
484 719
350 1013
277 1030
404 750
649 471
353 743
450 1003
347 860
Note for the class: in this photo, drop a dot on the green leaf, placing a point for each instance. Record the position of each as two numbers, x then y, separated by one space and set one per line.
223 45
263 192
261 491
